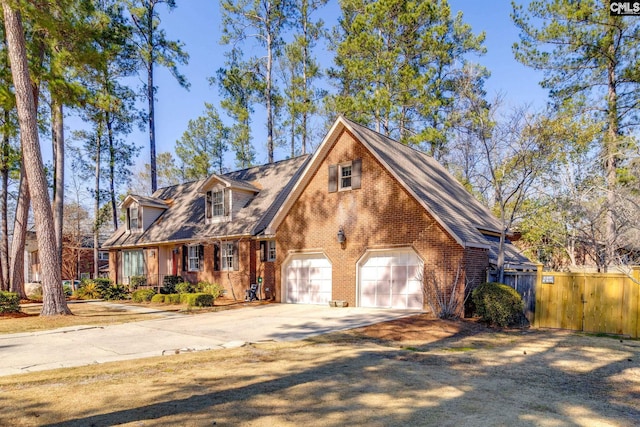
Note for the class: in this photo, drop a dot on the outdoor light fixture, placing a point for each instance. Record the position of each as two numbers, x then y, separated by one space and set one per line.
341 237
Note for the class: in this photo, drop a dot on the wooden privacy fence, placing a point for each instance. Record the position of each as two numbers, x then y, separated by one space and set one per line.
592 302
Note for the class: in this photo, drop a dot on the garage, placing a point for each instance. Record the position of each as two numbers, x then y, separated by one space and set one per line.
307 279
390 279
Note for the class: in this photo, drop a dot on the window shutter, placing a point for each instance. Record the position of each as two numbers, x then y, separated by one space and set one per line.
235 256
216 257
185 255
128 218
209 205
201 257
139 217
333 178
226 195
356 172
263 251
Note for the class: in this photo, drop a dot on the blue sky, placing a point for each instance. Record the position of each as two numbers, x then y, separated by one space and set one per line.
197 24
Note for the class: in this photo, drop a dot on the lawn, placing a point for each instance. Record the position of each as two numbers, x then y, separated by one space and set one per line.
414 371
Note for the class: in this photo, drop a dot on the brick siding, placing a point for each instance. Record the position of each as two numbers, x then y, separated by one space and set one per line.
381 214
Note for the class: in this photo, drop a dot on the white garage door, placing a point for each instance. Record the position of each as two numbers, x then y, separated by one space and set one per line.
390 279
308 279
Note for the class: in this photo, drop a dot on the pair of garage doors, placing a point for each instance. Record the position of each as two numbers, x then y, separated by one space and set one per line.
385 279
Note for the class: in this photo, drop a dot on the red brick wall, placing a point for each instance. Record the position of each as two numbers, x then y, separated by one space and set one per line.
235 282
379 215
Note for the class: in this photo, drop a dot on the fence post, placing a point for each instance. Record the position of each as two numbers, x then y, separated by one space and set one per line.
537 290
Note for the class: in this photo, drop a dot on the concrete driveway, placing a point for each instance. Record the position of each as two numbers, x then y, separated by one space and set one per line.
175 333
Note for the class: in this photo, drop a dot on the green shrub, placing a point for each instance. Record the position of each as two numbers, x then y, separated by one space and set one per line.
136 281
158 298
197 300
211 288
169 284
9 302
498 304
185 288
172 298
89 290
142 295
115 292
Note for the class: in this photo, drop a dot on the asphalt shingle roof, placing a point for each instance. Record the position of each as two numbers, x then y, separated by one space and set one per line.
184 218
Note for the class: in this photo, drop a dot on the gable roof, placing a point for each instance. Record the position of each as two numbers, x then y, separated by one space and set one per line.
455 209
143 201
184 218
228 182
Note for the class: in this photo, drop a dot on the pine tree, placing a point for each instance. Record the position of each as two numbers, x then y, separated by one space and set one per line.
203 145
398 66
590 61
153 48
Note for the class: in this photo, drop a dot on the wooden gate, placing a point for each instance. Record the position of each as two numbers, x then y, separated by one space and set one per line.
592 302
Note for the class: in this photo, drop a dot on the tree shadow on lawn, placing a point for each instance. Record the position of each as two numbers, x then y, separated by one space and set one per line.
559 379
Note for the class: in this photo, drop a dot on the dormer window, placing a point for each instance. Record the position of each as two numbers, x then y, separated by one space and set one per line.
134 219
217 204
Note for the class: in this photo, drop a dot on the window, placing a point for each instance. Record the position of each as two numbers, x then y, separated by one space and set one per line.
229 256
103 256
345 176
271 250
194 258
218 203
132 264
133 218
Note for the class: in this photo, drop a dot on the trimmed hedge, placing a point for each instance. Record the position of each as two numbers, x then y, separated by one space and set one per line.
9 302
166 298
158 298
498 304
143 295
199 299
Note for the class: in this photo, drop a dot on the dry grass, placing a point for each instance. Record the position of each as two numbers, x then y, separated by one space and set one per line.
86 313
425 372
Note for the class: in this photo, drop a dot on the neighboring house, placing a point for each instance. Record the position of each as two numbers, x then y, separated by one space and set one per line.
77 258
365 220
209 230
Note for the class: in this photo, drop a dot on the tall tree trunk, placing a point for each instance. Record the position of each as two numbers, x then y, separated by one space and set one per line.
54 301
96 205
268 96
611 155
4 206
58 174
112 173
150 97
19 237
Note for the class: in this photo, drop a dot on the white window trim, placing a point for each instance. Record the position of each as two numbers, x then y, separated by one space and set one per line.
133 218
225 257
214 203
340 177
271 250
195 259
103 256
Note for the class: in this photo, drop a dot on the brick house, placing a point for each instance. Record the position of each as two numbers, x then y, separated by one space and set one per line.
77 258
370 219
208 230
365 220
